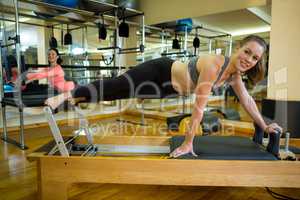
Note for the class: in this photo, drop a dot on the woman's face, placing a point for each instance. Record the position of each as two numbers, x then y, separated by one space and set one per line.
248 55
52 56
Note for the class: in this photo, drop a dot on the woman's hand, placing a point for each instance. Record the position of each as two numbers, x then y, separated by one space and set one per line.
271 128
185 148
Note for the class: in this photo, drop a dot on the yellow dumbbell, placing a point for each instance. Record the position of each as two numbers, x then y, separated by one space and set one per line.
184 126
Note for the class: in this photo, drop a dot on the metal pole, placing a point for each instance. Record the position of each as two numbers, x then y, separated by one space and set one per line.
2 30
3 110
1 70
22 142
160 105
143 114
286 142
143 60
85 39
197 50
210 46
162 41
183 104
1 98
18 54
117 61
85 48
230 46
143 35
116 42
56 132
185 38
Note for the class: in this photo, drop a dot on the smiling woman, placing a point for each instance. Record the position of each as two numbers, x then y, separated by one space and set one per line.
54 73
164 77
253 53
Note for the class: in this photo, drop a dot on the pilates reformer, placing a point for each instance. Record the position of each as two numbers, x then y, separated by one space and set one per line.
222 161
61 146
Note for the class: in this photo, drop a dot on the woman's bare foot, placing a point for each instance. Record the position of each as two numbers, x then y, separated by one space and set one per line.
55 101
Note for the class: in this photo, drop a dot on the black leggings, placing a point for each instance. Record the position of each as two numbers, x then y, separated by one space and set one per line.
151 79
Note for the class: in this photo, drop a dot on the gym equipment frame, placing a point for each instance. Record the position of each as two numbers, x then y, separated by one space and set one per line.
114 164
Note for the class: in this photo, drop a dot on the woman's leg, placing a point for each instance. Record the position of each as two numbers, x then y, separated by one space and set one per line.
144 81
151 79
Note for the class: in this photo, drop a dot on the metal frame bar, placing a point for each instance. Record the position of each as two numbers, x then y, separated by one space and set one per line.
210 46
21 143
230 46
139 49
61 145
183 104
84 13
174 53
81 67
117 62
108 48
18 56
84 125
27 23
185 39
3 109
211 30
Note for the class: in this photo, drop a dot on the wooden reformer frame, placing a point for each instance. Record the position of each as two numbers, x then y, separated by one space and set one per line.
57 173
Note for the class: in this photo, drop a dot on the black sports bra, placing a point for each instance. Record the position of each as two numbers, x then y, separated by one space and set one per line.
192 67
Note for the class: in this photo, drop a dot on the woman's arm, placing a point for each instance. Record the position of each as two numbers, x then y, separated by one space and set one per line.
206 79
202 92
247 101
46 73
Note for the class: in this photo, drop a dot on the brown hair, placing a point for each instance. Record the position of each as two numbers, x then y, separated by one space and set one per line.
256 73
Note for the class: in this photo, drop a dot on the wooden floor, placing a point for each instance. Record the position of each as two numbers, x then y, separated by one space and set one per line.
18 180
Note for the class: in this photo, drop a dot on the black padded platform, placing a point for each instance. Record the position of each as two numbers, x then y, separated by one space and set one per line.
30 98
27 100
223 148
33 95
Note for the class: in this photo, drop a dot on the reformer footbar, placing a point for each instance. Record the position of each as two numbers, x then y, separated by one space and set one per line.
67 148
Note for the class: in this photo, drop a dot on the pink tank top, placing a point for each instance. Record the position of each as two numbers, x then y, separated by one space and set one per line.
55 76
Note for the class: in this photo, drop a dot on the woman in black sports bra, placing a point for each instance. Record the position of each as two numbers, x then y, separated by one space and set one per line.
163 77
